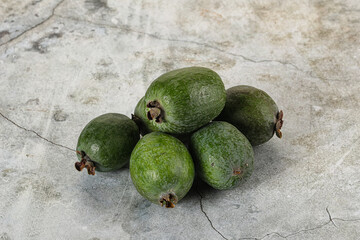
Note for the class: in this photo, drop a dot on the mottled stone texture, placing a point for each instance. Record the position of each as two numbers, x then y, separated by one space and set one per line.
65 62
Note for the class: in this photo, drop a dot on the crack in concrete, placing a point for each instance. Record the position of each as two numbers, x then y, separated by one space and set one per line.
331 220
35 26
347 220
206 45
203 211
37 134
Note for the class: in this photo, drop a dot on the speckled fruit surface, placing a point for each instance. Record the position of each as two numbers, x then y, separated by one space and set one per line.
253 112
108 141
161 169
182 100
222 154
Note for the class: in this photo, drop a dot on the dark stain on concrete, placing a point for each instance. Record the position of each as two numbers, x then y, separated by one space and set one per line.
38 47
41 45
60 116
105 62
168 66
269 78
100 76
4 236
55 35
33 3
95 5
33 101
90 100
86 97
4 33
335 26
43 189
7 172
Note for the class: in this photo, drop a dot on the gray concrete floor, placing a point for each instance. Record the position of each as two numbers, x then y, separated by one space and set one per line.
65 62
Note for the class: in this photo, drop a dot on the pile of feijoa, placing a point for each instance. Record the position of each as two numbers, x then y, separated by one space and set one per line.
189 124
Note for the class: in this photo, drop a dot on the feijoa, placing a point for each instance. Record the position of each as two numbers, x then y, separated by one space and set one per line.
222 155
253 112
183 100
161 169
106 143
146 127
141 120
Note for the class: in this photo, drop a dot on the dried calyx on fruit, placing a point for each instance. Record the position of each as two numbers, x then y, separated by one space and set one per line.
161 169
85 162
155 111
279 123
182 100
106 143
168 200
253 112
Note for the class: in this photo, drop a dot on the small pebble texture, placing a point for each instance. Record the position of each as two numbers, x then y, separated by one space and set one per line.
64 62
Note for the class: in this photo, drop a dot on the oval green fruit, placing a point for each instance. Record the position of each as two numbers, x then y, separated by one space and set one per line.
106 143
161 169
183 100
146 127
253 112
140 118
222 154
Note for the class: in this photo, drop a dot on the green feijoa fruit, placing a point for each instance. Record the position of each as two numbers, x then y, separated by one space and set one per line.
106 143
161 169
183 100
222 155
140 119
253 112
146 127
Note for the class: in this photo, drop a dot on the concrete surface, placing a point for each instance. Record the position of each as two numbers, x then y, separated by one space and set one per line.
65 62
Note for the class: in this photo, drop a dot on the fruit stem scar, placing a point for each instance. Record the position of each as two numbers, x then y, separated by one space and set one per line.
169 200
279 123
156 112
153 113
238 171
85 162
